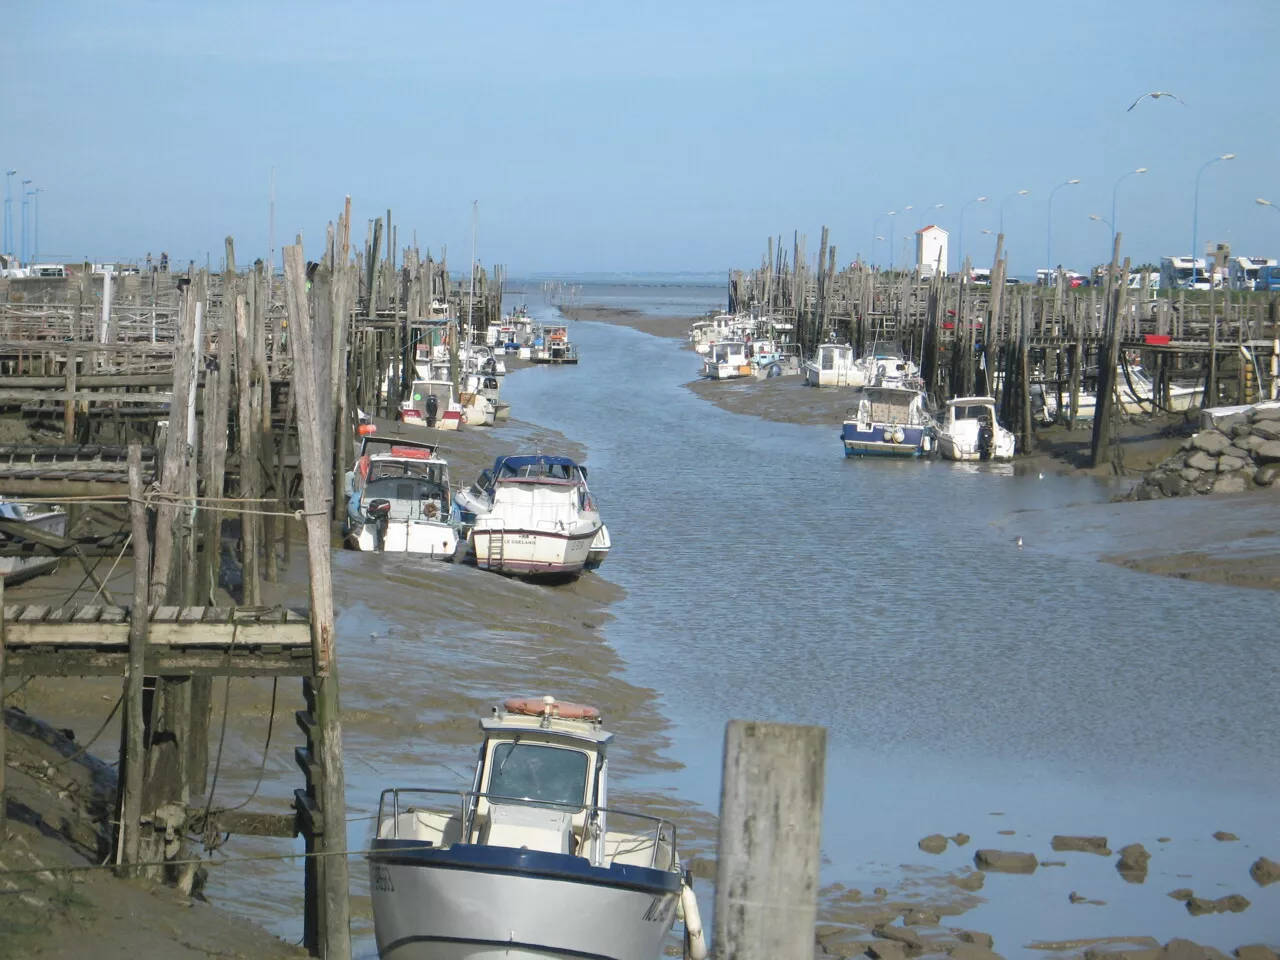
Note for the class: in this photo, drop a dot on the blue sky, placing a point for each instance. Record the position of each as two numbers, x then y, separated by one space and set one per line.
641 135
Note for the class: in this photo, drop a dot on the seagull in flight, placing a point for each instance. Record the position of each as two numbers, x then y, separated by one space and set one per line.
1156 95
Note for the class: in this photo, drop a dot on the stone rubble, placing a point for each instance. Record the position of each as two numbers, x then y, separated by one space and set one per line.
1242 452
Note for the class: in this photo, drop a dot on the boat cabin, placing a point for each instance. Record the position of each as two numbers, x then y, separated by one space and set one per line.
730 352
891 405
405 472
541 783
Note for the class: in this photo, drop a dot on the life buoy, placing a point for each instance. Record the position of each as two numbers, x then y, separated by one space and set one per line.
551 707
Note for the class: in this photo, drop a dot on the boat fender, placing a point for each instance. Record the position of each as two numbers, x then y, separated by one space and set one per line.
926 443
899 435
888 434
695 938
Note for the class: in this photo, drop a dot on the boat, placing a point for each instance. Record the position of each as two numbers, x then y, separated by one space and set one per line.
886 364
15 570
531 863
727 360
478 410
834 365
971 431
532 516
599 549
398 499
553 346
889 421
444 414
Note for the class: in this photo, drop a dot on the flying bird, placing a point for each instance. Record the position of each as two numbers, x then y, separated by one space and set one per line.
1156 95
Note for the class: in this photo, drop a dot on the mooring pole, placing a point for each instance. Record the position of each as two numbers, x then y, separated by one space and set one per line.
770 831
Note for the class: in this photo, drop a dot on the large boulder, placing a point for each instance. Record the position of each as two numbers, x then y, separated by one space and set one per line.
1226 463
1096 845
1266 476
1210 441
1171 485
1232 903
970 881
1264 871
908 938
1266 429
1189 474
1133 862
1006 861
1228 424
1258 414
1230 483
934 843
1268 452
1189 950
1202 461
1249 443
1256 951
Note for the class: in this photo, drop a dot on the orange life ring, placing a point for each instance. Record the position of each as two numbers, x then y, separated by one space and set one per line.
537 707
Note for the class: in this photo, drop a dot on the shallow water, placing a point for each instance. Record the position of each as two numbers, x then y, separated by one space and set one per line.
958 676
966 684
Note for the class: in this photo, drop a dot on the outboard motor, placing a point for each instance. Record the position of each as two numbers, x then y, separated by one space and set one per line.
378 512
433 405
986 440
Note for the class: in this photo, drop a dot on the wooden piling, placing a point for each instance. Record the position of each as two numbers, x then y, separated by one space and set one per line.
315 428
770 833
4 812
132 750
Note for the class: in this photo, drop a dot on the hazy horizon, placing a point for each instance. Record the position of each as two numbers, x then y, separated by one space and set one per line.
662 138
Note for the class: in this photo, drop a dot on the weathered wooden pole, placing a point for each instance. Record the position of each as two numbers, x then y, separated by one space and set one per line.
132 751
247 447
315 427
4 816
770 834
1107 362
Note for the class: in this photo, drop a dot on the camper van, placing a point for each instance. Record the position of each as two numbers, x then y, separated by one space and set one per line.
1243 272
1268 278
1176 274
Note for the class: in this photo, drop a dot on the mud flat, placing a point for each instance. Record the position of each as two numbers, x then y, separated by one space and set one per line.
676 328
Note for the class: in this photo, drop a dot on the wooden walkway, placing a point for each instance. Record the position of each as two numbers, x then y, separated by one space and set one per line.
181 641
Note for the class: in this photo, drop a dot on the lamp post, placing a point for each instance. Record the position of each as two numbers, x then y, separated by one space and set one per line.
22 245
963 278
875 229
1049 231
1113 200
35 253
891 214
1267 203
8 212
1195 214
1020 193
1110 226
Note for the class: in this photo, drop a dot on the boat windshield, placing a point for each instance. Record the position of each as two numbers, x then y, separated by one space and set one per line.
403 489
396 469
972 412
533 771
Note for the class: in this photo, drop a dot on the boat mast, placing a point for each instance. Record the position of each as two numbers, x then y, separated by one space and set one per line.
475 212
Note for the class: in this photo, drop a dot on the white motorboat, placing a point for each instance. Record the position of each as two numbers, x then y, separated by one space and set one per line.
14 570
553 346
531 863
532 516
398 499
431 404
834 365
886 365
727 361
971 431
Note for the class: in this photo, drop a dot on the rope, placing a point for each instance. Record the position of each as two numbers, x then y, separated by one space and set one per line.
107 578
209 840
266 749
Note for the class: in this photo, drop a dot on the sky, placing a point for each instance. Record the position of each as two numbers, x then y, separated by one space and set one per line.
642 136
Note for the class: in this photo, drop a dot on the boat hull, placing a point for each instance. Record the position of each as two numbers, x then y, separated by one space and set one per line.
915 442
531 552
485 903
426 537
15 570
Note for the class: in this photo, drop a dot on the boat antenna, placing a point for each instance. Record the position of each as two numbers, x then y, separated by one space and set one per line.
475 214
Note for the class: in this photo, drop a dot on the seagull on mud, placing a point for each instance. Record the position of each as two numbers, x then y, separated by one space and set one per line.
1156 95
1018 541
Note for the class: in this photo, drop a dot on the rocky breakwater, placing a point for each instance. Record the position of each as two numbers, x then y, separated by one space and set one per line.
1240 452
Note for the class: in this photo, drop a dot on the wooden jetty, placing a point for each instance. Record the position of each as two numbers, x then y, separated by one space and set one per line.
999 338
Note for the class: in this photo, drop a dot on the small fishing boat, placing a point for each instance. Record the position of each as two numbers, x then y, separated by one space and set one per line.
398 499
554 347
971 431
40 517
532 516
834 365
431 404
727 360
889 421
531 863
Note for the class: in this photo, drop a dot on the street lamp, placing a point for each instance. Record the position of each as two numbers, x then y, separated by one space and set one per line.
875 229
1113 198
1020 193
1267 203
1195 214
1111 227
891 214
1049 232
35 253
22 247
8 212
961 252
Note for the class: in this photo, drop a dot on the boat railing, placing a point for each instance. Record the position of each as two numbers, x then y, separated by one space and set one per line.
660 832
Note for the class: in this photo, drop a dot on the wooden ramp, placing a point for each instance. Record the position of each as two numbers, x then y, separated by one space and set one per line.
181 641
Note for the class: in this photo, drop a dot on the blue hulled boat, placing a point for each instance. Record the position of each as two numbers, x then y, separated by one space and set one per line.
889 421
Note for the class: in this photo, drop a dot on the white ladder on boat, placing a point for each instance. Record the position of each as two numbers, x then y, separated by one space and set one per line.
497 546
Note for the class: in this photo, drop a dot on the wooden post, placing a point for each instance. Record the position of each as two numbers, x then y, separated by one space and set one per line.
131 751
69 406
770 834
1108 358
315 427
247 446
4 816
